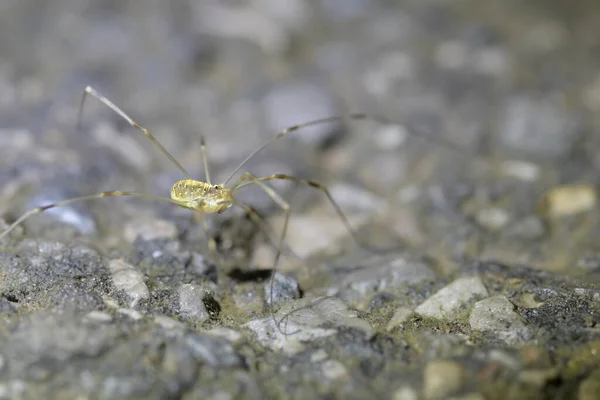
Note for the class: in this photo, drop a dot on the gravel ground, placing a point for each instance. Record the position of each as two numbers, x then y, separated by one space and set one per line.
473 273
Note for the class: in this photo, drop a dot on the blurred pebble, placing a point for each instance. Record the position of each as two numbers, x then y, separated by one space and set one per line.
448 300
227 333
442 378
493 219
353 198
75 214
567 200
130 313
98 316
522 170
167 322
126 278
296 103
150 229
405 393
333 369
390 137
538 128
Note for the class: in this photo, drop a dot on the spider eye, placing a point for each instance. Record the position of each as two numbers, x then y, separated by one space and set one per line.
217 187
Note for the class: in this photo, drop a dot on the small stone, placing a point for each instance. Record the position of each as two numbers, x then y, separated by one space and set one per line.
168 323
284 288
126 278
333 369
387 275
441 379
493 219
213 351
227 333
538 377
538 128
301 321
522 170
98 316
451 298
191 304
299 102
353 198
130 313
399 318
567 200
405 393
318 356
150 229
496 316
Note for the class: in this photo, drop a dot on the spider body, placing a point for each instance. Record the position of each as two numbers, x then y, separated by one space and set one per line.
202 196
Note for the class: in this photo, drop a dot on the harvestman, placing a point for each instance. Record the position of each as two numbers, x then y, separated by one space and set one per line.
208 198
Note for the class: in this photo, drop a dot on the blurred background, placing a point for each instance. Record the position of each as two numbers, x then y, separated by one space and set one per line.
516 84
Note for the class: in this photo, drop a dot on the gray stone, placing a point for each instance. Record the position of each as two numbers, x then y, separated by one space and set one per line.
442 378
448 300
191 304
305 320
213 351
298 102
495 316
538 127
284 288
126 278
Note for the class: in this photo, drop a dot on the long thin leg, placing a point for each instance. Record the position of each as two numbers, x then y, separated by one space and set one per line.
417 132
93 92
286 210
204 159
264 227
212 244
38 210
323 189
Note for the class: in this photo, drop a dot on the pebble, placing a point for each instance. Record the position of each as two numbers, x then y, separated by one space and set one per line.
496 316
538 128
399 318
150 229
227 333
493 218
98 316
168 323
306 320
284 288
191 304
126 278
522 170
298 102
130 313
442 378
405 393
566 200
448 300
333 369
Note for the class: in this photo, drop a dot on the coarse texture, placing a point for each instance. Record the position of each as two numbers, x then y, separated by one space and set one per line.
484 282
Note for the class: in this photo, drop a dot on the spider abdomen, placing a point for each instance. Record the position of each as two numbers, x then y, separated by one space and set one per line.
188 190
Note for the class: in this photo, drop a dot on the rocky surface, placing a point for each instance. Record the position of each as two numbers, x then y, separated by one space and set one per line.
471 270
